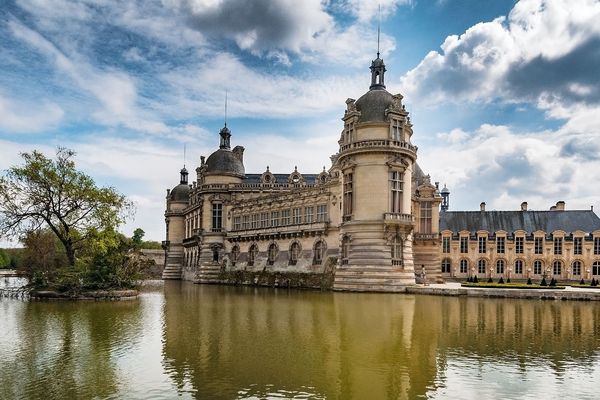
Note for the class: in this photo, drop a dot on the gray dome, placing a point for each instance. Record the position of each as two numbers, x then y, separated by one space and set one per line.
180 192
372 105
224 161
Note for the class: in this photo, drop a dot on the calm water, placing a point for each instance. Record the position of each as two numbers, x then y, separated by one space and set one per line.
211 342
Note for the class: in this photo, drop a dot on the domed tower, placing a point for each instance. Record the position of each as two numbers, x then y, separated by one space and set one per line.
224 165
445 198
376 161
177 201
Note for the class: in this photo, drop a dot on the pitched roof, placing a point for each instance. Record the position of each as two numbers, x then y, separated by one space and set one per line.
529 221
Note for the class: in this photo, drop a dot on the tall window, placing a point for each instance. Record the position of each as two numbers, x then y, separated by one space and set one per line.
556 267
396 187
558 245
396 129
518 267
596 268
537 267
464 244
481 266
245 222
445 244
397 250
235 254
577 246
345 250
597 246
237 223
319 252
252 254
500 266
294 253
264 220
482 244
297 215
500 244
425 217
217 217
347 196
519 244
255 221
538 245
309 215
271 254
285 217
464 266
446 264
577 268
321 212
274 218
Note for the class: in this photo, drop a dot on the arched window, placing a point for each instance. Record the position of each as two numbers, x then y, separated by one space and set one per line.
397 250
252 253
294 253
319 252
446 264
271 254
345 249
464 266
576 267
557 267
481 266
235 254
519 267
537 267
596 268
500 266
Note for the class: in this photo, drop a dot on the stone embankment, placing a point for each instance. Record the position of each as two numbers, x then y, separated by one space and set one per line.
98 295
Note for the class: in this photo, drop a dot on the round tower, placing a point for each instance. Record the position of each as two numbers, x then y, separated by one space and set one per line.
177 200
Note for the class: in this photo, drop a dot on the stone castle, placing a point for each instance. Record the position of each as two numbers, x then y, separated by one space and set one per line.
373 218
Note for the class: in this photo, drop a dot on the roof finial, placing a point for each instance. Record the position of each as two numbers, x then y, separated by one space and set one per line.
184 154
225 107
378 28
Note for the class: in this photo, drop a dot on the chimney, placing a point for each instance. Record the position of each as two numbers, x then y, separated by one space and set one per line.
553 208
524 206
560 206
238 152
482 206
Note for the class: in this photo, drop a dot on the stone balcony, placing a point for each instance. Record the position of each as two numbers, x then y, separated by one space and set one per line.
277 232
398 219
379 144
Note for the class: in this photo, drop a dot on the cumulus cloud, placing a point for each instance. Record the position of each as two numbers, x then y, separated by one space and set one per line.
543 51
18 116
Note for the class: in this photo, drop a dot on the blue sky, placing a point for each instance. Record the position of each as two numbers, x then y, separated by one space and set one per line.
503 94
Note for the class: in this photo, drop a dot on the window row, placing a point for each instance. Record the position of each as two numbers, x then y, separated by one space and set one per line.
292 216
538 245
538 267
294 252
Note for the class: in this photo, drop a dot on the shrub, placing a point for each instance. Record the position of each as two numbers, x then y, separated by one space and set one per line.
529 281
543 282
490 280
553 282
582 282
501 280
475 279
507 280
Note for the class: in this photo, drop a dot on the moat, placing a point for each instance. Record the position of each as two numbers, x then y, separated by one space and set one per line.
199 341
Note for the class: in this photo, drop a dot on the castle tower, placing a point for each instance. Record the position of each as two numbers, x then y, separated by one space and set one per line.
376 161
177 200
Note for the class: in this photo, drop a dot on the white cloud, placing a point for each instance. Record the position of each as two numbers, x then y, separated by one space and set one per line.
17 116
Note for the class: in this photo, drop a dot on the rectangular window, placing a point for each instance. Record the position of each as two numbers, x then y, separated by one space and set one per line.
538 245
482 244
463 266
445 244
481 267
577 268
246 222
519 244
285 217
518 267
274 218
396 130
396 187
322 213
597 246
464 244
237 223
348 197
264 220
577 246
309 215
537 267
500 242
296 215
217 217
558 246
254 221
425 217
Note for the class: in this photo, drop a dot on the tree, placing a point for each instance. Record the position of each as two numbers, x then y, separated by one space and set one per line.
138 238
4 259
53 194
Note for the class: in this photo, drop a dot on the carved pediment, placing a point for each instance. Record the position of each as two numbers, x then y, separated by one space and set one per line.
397 162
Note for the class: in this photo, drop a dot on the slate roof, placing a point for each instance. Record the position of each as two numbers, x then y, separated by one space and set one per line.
223 160
311 179
372 105
529 221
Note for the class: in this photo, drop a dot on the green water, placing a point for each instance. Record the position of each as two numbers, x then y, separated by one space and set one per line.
211 342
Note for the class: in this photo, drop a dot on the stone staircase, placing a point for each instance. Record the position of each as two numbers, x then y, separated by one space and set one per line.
173 266
371 279
208 273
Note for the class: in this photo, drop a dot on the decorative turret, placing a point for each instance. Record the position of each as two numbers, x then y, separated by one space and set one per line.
377 74
183 179
225 137
445 198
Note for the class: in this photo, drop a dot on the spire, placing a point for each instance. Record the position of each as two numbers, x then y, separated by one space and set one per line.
225 133
378 28
377 66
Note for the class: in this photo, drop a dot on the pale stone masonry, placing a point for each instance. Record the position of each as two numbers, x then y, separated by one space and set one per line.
373 211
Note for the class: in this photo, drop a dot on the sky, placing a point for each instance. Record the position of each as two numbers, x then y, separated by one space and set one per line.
503 94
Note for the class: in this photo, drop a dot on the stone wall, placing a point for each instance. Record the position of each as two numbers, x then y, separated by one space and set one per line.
158 257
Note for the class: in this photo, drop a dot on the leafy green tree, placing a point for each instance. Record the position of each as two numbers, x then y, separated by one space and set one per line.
53 194
138 238
4 259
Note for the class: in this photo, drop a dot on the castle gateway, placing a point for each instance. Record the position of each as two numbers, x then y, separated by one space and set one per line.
374 219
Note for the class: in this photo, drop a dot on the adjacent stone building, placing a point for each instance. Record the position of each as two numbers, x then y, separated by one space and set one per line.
373 216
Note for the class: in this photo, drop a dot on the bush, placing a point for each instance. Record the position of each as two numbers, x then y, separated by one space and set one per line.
529 281
543 282
490 280
508 280
553 282
501 280
469 279
475 279
582 282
